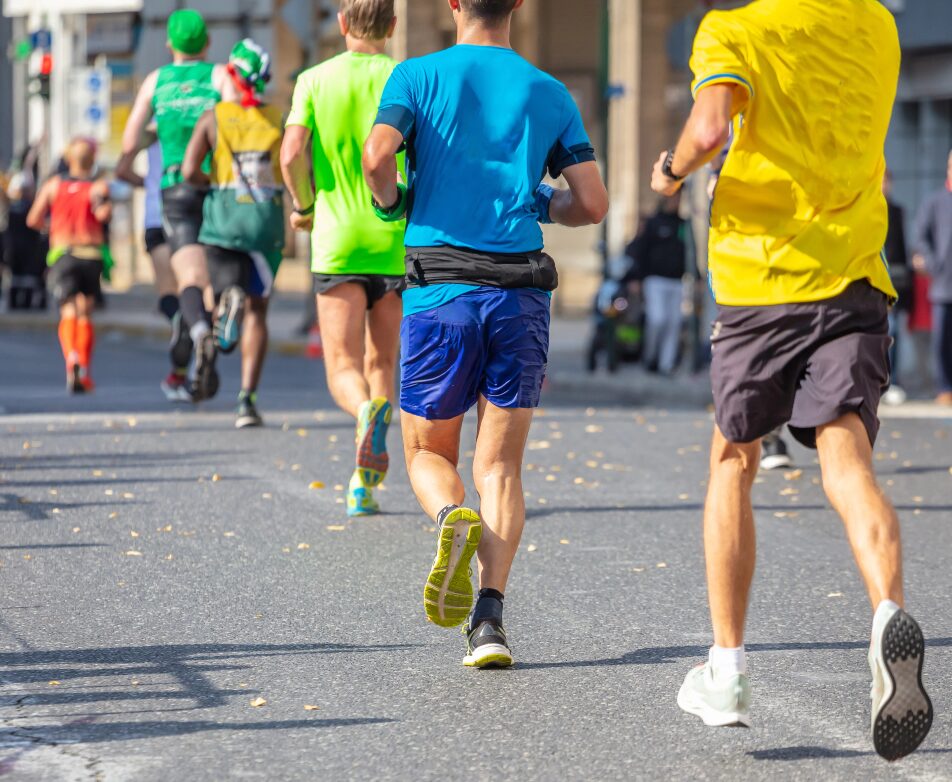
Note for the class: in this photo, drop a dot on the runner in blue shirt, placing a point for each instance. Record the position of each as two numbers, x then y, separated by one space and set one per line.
481 127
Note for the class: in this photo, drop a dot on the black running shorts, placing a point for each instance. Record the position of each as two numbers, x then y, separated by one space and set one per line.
801 364
154 237
182 214
376 285
72 276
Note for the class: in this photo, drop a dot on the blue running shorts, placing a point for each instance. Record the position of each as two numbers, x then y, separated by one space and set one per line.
489 342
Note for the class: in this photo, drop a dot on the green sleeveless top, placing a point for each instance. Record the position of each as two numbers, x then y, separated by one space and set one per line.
183 93
244 209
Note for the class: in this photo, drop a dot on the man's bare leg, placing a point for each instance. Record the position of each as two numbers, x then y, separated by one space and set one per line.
729 536
432 453
497 471
382 342
342 314
846 462
254 342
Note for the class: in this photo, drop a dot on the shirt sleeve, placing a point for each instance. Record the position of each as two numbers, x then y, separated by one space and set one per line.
397 104
720 54
573 145
302 104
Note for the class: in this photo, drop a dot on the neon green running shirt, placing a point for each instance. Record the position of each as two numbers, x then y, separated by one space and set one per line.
337 101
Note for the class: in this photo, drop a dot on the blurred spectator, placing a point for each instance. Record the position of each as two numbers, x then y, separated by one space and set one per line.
659 255
934 255
24 248
901 275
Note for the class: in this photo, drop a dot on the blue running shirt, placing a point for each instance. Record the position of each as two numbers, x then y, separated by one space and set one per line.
482 127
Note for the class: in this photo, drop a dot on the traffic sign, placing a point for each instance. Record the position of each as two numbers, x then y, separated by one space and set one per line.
89 102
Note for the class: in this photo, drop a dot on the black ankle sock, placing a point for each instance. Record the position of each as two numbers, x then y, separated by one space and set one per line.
441 516
192 304
168 305
488 606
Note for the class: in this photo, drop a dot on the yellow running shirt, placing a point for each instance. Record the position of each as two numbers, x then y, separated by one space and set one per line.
798 212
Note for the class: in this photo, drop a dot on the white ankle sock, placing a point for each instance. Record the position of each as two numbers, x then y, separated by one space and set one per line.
728 662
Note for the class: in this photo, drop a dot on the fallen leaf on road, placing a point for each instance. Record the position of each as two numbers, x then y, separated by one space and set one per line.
917 500
338 487
662 564
286 550
835 594
684 496
594 429
229 534
332 438
316 485
788 492
266 496
28 557
97 473
539 445
295 467
793 475
259 701
108 492
166 528
637 569
128 495
132 422
542 501
216 477
336 527
133 553
309 707
133 533
76 529
550 477
54 683
302 432
134 682
531 547
579 481
303 546
169 556
339 500
55 510
564 541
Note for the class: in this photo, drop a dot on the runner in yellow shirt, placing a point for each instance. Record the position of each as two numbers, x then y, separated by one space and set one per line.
798 225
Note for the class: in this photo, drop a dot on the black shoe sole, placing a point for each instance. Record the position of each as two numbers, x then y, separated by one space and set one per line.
74 383
905 718
206 376
180 347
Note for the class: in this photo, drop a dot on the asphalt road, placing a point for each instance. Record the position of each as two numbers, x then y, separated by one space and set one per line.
161 572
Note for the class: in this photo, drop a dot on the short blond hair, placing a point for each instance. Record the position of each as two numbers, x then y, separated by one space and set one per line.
370 19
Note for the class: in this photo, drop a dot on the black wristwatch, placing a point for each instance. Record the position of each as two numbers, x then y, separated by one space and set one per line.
666 168
305 212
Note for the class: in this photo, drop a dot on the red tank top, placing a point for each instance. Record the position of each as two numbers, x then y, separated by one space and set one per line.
72 222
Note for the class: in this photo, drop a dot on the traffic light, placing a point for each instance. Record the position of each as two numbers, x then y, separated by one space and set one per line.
40 84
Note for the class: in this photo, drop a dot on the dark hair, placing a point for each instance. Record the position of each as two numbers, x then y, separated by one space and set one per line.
368 18
488 10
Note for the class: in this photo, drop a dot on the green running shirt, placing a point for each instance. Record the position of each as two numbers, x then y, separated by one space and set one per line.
337 101
183 93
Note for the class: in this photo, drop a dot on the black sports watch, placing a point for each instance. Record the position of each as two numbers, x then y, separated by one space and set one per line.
306 212
666 168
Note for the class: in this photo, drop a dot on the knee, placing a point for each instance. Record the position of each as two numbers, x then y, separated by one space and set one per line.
737 462
377 363
499 474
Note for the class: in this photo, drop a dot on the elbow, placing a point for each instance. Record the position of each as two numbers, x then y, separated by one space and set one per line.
290 152
596 210
712 136
373 159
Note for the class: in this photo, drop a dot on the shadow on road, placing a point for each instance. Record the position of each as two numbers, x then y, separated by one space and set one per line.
822 753
658 655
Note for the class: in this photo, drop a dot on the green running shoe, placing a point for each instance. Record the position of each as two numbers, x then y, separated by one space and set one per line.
360 498
448 594
719 701
373 421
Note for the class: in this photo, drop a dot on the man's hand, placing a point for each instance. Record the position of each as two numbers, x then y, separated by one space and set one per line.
660 182
301 222
919 263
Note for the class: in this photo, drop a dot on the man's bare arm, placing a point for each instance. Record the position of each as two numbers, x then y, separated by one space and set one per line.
222 82
198 148
124 168
36 219
705 134
141 114
102 205
586 200
380 163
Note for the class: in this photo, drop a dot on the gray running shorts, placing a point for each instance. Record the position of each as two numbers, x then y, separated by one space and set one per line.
801 364
376 285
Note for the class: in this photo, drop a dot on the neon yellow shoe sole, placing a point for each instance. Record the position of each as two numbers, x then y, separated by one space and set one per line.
497 656
372 425
448 594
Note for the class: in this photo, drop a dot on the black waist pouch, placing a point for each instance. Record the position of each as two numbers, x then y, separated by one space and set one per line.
438 265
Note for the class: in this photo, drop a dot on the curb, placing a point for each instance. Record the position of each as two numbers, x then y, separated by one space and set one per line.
45 324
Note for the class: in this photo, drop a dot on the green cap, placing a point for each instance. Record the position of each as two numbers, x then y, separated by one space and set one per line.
252 64
187 31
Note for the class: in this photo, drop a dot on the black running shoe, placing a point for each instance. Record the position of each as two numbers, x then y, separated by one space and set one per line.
228 316
773 454
487 646
247 412
180 346
205 385
74 380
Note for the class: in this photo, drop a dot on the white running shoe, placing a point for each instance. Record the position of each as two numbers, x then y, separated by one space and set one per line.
901 710
719 701
894 396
